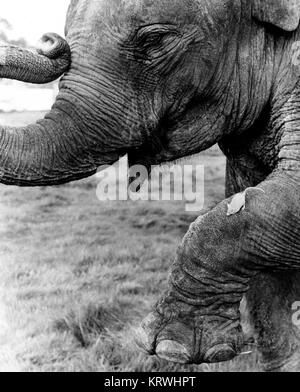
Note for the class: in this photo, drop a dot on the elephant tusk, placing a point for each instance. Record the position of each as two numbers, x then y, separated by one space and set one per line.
246 353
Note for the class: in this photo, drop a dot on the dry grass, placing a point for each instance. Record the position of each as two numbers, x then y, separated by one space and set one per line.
77 275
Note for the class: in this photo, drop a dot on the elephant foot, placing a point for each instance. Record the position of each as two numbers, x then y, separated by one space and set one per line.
287 365
284 357
182 333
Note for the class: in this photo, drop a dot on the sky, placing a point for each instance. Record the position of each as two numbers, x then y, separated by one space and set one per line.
32 18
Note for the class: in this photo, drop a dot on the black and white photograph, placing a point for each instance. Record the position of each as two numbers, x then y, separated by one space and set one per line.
149 189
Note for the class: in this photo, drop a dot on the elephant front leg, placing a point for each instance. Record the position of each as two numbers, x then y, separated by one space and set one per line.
198 319
271 302
271 298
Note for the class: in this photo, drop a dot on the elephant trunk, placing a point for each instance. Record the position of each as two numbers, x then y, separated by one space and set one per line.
73 139
53 151
47 63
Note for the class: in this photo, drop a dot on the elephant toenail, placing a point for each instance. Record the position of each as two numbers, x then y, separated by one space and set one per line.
143 341
172 351
219 353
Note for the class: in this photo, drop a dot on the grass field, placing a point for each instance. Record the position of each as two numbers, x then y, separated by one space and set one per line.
78 275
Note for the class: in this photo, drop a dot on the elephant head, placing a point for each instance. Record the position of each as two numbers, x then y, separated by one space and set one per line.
157 80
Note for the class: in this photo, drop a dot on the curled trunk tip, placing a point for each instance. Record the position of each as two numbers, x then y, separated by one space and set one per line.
46 64
53 46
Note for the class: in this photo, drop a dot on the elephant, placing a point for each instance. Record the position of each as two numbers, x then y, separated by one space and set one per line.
162 80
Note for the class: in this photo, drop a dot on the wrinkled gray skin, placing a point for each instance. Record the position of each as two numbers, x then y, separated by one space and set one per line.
160 80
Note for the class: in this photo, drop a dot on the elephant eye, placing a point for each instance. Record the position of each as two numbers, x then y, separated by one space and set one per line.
147 42
153 35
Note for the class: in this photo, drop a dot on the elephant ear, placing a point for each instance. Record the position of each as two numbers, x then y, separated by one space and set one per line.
284 14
